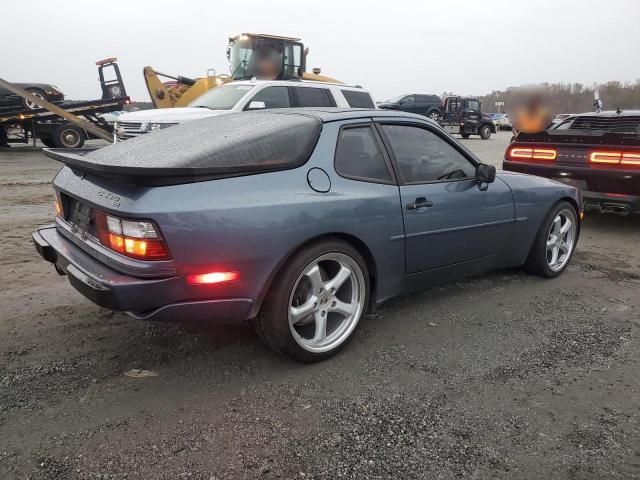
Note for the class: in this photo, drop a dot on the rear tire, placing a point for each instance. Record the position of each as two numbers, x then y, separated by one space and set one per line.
68 136
485 132
28 104
315 302
554 234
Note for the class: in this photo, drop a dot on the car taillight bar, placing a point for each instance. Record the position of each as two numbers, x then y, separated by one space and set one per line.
615 158
526 153
133 238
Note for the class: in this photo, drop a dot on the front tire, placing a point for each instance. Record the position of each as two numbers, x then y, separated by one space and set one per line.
316 302
434 115
555 242
485 132
465 135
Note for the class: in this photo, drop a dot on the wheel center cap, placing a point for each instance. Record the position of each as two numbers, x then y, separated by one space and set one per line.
324 299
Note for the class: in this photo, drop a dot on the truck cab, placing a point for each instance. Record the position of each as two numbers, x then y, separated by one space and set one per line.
463 115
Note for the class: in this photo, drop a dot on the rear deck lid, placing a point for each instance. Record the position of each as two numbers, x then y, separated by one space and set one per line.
217 147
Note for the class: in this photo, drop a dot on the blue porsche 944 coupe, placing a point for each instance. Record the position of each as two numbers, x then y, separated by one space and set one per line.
298 220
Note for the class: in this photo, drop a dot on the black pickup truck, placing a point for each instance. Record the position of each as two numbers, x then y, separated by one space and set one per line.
599 153
463 115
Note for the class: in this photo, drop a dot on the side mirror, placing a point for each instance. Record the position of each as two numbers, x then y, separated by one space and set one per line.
485 173
255 105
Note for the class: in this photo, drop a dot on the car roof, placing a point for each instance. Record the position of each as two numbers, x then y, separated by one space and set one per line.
610 113
333 114
293 83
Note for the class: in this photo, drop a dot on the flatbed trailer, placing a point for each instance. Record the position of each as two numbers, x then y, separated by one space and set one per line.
23 125
67 124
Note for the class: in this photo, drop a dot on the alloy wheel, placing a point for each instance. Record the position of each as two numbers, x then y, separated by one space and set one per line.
31 105
327 302
560 240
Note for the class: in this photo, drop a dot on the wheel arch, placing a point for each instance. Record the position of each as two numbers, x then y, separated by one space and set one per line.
352 240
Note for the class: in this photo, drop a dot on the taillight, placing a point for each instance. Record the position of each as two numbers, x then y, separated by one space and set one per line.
133 238
527 153
615 158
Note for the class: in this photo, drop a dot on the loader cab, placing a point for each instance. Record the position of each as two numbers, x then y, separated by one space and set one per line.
265 57
110 79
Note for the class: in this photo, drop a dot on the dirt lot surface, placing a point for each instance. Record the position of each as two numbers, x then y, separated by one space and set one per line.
502 376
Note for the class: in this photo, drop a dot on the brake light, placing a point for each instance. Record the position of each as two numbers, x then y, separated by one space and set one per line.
605 157
212 278
615 158
527 153
630 158
133 238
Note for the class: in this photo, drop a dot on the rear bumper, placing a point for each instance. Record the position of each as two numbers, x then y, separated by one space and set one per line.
616 191
150 299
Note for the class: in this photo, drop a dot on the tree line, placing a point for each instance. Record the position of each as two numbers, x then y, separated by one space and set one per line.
573 97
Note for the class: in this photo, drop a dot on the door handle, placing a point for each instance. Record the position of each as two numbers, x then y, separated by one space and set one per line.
420 202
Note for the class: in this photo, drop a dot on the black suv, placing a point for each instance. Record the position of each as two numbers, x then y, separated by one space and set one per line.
429 105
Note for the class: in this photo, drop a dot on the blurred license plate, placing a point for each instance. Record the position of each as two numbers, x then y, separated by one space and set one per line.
80 217
579 184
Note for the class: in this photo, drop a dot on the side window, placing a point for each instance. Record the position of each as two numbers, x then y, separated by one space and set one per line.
358 156
272 97
423 156
358 99
410 100
314 97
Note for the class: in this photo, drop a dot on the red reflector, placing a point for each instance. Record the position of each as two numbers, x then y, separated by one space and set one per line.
213 277
526 153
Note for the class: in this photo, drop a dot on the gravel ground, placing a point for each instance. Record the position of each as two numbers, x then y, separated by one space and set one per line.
502 376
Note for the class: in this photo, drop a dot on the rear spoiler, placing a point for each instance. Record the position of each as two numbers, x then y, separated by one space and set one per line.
580 136
75 159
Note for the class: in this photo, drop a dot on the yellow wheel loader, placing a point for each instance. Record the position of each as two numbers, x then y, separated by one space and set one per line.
250 55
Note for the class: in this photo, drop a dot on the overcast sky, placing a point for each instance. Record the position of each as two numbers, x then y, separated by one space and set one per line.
389 47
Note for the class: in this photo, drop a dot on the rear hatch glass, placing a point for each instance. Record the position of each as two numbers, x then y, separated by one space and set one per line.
216 147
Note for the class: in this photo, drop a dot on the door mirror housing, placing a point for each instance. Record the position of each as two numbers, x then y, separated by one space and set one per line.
255 105
485 173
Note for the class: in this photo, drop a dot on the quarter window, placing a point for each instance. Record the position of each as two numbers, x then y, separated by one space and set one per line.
272 97
423 156
314 97
358 156
358 99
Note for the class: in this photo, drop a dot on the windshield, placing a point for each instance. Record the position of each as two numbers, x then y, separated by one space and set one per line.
265 58
395 99
221 98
